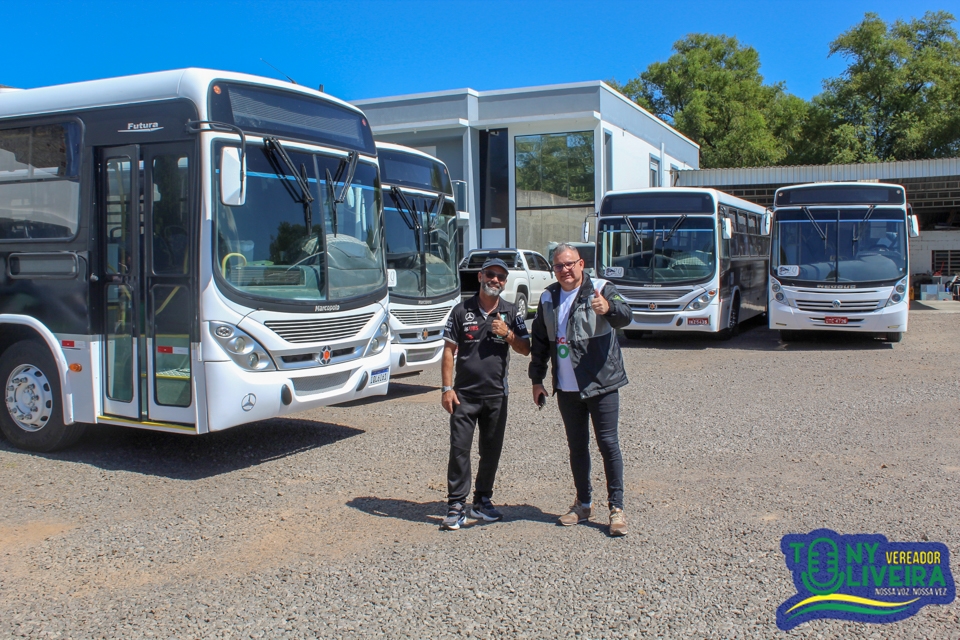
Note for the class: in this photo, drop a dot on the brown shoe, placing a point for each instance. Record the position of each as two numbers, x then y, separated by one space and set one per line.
577 514
618 523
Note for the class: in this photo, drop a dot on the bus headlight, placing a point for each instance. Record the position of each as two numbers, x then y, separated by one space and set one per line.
701 301
775 285
380 339
897 295
779 296
241 347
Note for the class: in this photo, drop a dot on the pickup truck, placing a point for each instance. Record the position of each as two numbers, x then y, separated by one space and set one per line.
529 274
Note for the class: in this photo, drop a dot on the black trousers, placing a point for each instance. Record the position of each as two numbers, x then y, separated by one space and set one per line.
604 411
490 414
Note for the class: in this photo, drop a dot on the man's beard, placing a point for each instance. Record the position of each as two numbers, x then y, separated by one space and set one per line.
492 290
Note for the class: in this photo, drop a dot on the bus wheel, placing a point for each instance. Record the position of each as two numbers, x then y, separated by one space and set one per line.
733 326
522 305
633 334
896 336
32 417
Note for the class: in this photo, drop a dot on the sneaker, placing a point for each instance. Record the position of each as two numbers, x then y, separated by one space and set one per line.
484 510
618 523
455 518
577 514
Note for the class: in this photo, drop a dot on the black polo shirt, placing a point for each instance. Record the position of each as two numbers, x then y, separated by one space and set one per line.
483 358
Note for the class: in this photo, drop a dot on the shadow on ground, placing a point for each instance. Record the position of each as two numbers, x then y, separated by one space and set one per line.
433 512
397 390
183 457
755 336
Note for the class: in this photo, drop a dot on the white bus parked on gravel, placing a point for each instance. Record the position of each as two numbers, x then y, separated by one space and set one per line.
185 251
420 229
684 259
840 259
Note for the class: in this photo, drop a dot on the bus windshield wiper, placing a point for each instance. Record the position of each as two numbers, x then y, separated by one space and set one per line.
273 145
673 229
816 225
636 236
863 222
407 213
351 164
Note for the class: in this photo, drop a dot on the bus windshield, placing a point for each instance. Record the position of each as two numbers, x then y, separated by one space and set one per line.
421 245
277 247
828 244
659 249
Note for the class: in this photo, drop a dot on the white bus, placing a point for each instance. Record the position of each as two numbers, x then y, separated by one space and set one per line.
420 227
841 259
684 259
185 251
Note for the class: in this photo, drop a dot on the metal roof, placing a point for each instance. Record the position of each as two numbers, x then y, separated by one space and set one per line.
899 170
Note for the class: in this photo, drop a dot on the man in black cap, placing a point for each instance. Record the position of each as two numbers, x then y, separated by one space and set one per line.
480 332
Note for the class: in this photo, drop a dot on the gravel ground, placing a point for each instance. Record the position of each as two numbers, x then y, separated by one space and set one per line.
326 525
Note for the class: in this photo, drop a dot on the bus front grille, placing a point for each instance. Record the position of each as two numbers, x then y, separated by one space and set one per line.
421 355
416 317
851 306
318 384
644 294
340 328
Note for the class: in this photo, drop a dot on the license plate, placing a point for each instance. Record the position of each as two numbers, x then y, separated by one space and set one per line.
698 321
380 375
834 320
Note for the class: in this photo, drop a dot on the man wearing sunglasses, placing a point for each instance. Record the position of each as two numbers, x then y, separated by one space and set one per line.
481 332
575 330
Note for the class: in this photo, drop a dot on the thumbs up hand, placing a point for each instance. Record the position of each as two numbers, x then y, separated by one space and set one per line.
599 304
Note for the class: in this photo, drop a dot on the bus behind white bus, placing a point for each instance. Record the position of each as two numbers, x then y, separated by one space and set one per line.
420 227
841 259
684 259
185 251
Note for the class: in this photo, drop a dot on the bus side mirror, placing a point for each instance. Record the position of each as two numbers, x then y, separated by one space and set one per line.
765 224
586 226
233 177
727 229
913 226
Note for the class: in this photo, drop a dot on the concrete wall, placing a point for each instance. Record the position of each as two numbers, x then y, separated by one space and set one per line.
922 248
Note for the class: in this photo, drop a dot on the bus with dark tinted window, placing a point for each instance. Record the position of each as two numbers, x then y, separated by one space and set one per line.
841 259
185 251
684 259
420 228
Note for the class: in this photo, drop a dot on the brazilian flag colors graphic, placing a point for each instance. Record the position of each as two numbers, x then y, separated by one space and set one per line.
862 577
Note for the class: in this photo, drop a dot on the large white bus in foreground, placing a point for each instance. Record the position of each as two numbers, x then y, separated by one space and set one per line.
684 259
420 228
841 259
185 251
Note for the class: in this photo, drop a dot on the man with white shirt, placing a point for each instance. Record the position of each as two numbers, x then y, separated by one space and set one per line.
575 329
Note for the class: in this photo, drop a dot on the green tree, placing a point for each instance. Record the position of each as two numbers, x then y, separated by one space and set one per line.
711 90
897 98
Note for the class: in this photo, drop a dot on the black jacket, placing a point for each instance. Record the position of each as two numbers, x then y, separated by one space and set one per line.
594 350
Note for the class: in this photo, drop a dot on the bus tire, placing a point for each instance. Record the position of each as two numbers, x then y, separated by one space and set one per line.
32 415
733 323
521 303
633 334
895 336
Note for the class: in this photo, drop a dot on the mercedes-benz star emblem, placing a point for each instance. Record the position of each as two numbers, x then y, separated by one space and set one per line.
325 355
652 306
836 304
248 402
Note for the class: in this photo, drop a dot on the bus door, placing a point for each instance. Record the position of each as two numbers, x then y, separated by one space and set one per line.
148 225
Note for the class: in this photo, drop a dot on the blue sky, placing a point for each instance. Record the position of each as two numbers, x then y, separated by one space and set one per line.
371 48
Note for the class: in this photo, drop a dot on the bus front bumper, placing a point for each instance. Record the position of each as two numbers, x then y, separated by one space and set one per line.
891 319
705 320
236 396
408 358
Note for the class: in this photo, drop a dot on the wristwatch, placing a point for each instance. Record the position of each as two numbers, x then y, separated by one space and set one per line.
445 389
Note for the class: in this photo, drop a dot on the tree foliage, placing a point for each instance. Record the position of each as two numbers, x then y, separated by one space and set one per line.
711 90
894 101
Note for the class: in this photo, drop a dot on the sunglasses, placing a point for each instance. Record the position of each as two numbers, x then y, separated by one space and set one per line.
495 275
560 266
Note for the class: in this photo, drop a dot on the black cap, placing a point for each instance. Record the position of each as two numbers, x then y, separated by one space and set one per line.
495 262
